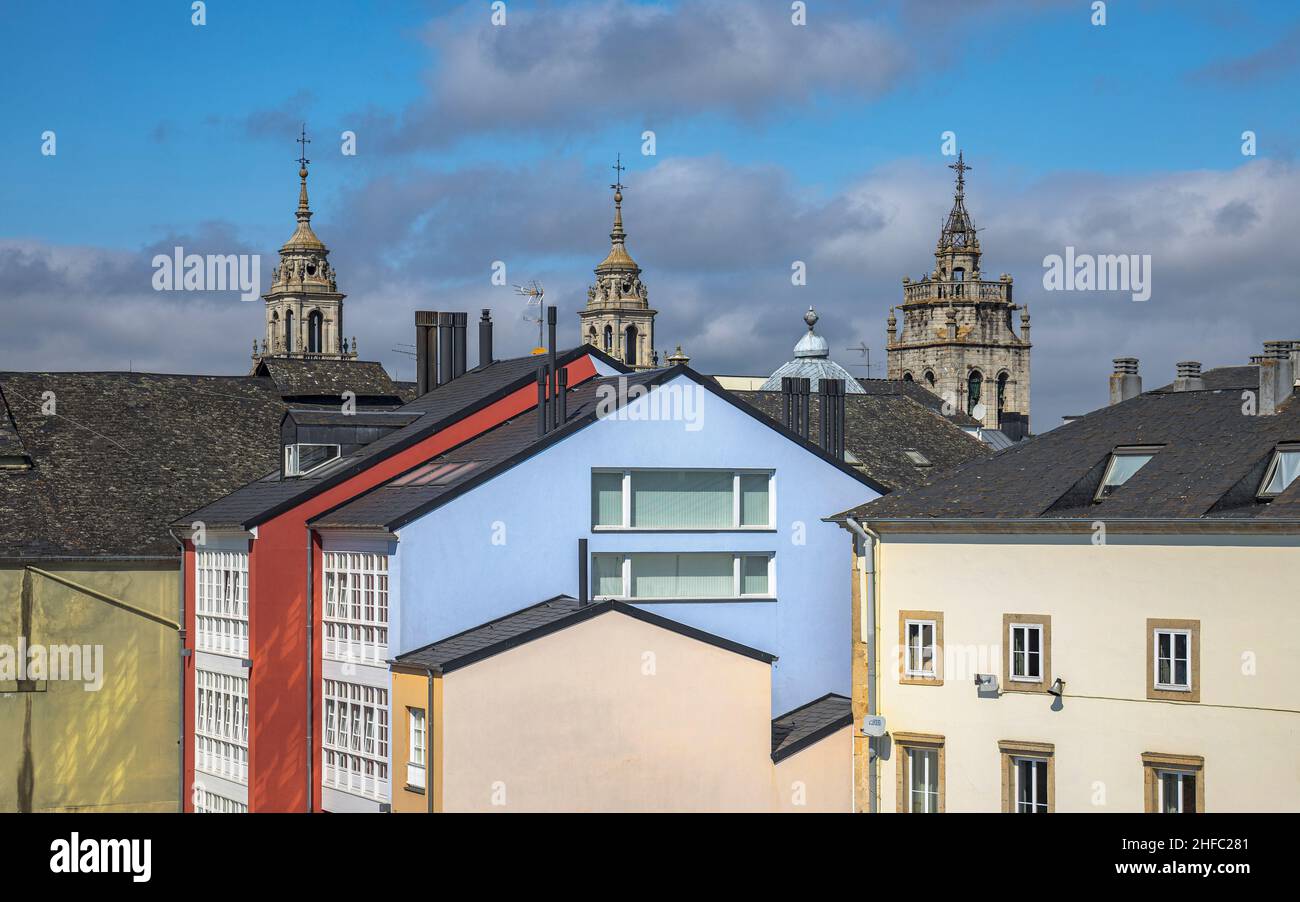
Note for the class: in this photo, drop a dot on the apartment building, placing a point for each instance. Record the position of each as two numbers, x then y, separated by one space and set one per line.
1100 619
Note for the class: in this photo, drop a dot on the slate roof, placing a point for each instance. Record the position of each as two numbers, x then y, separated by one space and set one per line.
795 730
918 393
124 454
514 629
295 378
880 428
1208 468
260 500
407 497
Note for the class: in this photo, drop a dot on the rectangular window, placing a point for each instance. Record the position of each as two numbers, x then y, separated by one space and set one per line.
681 499
695 575
1028 777
221 602
920 641
1027 658
1124 462
301 459
1031 785
355 747
1174 783
1283 470
206 802
356 607
415 760
1173 665
1173 659
920 773
221 725
920 648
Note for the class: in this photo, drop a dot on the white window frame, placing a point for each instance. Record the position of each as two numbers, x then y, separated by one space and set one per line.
221 724
1011 635
1147 451
735 526
1035 803
354 747
292 457
221 602
355 607
1263 494
417 744
208 802
736 577
908 670
930 755
1161 773
1173 659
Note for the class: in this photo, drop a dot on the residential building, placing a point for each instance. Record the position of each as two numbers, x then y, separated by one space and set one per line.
1099 619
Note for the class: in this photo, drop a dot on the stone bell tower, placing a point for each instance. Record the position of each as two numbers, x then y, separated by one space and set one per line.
304 309
618 318
957 338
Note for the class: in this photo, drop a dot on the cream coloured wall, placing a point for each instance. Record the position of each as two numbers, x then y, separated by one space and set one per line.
612 714
1246 725
817 779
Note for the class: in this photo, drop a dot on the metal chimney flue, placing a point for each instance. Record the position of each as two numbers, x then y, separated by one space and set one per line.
445 361
459 324
485 338
426 351
584 591
550 346
543 374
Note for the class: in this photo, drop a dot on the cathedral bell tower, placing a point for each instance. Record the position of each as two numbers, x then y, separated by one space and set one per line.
957 338
618 319
304 309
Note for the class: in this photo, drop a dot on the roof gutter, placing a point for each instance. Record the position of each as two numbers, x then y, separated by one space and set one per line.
1074 524
867 596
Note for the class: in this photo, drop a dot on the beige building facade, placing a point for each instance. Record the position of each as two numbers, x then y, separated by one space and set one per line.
611 714
1104 619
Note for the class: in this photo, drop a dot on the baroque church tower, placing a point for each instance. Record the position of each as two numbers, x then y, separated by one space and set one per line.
618 318
304 309
957 338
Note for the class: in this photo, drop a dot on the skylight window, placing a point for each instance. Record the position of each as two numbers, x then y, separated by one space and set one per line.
1124 462
917 458
301 459
1283 470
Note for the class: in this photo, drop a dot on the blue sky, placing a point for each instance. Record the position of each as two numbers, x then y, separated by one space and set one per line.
478 143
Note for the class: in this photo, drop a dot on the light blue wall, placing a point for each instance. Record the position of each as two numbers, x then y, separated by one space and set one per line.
450 575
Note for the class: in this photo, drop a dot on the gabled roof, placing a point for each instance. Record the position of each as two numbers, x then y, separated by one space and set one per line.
478 388
795 730
1208 466
918 393
519 627
410 496
879 430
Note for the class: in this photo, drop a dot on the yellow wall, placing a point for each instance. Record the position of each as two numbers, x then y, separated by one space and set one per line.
411 690
111 750
612 714
1099 598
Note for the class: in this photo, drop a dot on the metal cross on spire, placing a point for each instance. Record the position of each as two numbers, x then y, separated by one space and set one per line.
619 169
304 141
961 168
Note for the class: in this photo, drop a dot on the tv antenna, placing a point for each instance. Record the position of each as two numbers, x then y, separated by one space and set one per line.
534 292
865 352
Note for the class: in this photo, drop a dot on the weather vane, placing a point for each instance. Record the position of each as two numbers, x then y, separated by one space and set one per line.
619 169
961 168
304 141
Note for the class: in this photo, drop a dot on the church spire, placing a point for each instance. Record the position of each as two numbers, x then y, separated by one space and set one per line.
958 232
304 211
618 257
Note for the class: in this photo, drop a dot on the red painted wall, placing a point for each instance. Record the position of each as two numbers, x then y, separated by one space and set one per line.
277 582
